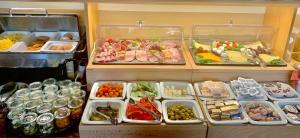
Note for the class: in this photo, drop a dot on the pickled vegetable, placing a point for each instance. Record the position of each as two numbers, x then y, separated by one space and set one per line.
62 117
45 122
29 124
76 108
110 90
180 112
134 112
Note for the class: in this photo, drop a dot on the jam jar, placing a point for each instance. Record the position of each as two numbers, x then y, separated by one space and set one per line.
49 97
30 106
29 123
49 81
75 106
51 88
45 123
61 102
75 86
35 86
79 94
64 84
15 104
15 117
62 117
36 95
63 93
23 94
44 108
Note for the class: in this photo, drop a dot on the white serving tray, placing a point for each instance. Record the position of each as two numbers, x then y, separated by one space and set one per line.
25 33
46 47
131 84
125 119
197 85
91 104
284 99
75 36
189 103
281 122
177 84
225 122
96 85
280 104
263 98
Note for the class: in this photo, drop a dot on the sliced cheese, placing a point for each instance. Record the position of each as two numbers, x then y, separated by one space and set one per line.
267 58
198 45
236 56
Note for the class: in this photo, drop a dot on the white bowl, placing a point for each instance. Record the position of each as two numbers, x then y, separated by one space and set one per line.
130 86
177 84
96 85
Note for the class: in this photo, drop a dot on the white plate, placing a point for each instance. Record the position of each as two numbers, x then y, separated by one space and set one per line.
131 84
189 103
280 122
197 86
96 85
177 84
125 119
46 47
225 122
283 99
281 104
75 36
92 104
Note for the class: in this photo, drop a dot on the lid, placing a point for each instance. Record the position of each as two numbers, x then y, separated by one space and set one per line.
50 81
64 83
35 85
78 94
62 112
36 94
60 103
75 103
75 85
22 92
45 118
29 118
43 108
31 104
51 87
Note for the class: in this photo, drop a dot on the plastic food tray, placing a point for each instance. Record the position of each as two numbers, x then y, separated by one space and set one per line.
125 119
91 104
281 104
189 103
130 86
177 84
98 84
197 86
75 36
225 122
25 33
46 47
284 98
281 122
262 98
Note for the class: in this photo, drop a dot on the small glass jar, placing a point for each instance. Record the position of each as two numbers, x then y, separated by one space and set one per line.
63 93
23 94
75 106
79 94
50 81
15 117
51 88
44 108
62 117
64 84
59 103
22 85
49 97
30 106
29 123
15 104
36 95
75 86
45 123
35 86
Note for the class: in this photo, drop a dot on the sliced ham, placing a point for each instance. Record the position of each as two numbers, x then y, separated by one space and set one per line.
130 56
141 55
169 44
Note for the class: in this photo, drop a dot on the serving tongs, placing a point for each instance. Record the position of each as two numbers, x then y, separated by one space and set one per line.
113 119
155 115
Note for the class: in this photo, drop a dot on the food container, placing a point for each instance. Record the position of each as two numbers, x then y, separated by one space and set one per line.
243 119
59 47
61 116
63 93
15 104
153 45
75 86
29 123
49 97
93 104
281 107
30 106
131 85
15 117
176 90
63 37
51 88
97 85
230 94
44 108
191 104
12 37
270 106
36 95
35 86
49 81
64 84
75 105
247 89
79 94
59 103
271 91
45 122
125 119
23 94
